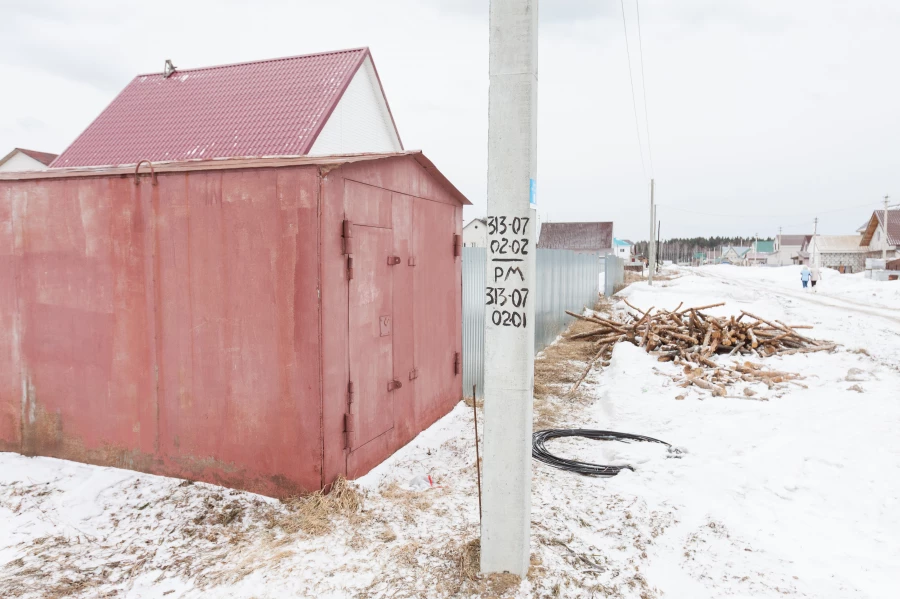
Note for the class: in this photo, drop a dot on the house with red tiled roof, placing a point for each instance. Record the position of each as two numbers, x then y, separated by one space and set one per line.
316 104
882 232
21 159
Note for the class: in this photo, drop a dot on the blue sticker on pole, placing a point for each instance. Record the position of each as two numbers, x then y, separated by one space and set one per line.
532 192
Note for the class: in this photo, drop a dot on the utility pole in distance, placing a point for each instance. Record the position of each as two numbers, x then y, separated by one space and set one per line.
510 277
814 259
651 249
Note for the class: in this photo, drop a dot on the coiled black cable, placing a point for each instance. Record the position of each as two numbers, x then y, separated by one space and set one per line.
540 453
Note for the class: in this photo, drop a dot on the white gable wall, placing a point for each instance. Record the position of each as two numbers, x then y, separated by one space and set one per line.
22 162
475 234
361 121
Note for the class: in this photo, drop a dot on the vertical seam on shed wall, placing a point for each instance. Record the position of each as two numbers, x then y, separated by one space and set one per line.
320 184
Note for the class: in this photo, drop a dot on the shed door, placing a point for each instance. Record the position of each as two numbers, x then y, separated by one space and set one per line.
371 334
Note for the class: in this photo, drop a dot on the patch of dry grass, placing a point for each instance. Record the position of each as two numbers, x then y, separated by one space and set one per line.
313 513
559 367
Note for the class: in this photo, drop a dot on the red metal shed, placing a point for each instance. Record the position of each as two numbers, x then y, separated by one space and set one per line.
266 324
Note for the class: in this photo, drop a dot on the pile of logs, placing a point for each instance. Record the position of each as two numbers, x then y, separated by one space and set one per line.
690 336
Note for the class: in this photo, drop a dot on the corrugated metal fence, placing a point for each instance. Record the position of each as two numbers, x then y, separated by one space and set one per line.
615 274
564 281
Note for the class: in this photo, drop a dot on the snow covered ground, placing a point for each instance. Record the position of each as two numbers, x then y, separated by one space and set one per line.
796 496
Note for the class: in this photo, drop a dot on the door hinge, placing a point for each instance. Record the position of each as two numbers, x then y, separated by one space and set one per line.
413 374
349 428
350 392
393 260
457 363
395 384
347 236
349 267
457 246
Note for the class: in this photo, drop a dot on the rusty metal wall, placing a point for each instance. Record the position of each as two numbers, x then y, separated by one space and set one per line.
565 280
178 328
136 337
396 195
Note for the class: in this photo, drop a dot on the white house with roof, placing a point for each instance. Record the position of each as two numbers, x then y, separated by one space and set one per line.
881 234
841 252
20 160
475 233
623 248
316 104
735 254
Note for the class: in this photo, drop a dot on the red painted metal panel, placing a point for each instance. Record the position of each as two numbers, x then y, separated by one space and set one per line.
404 322
178 329
367 205
371 358
438 303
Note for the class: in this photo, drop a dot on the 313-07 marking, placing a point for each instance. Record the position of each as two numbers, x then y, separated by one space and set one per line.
515 248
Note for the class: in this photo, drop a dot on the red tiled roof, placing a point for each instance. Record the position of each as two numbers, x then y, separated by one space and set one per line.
590 237
266 108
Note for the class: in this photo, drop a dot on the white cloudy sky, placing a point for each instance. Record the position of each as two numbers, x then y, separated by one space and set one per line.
763 113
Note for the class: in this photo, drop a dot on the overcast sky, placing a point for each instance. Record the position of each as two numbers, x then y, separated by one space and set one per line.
762 113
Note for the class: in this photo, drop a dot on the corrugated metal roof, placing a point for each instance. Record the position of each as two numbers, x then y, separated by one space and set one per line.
232 163
590 237
791 239
837 243
266 108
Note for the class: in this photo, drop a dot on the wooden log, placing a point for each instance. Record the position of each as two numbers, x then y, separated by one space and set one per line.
754 342
697 309
806 350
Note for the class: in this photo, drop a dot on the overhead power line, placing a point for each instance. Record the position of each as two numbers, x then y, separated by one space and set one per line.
637 5
758 215
633 101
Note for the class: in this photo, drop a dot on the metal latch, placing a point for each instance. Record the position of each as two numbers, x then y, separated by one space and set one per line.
393 260
413 374
384 324
395 384
412 260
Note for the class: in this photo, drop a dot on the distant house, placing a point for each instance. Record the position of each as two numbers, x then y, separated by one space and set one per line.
475 233
623 248
580 237
760 252
318 104
735 255
21 159
841 252
882 233
786 250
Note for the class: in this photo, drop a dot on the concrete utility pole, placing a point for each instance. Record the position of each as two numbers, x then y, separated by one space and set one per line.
651 249
509 326
814 259
885 221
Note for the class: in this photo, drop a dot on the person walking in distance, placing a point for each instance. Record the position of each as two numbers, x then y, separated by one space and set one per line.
804 276
814 276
